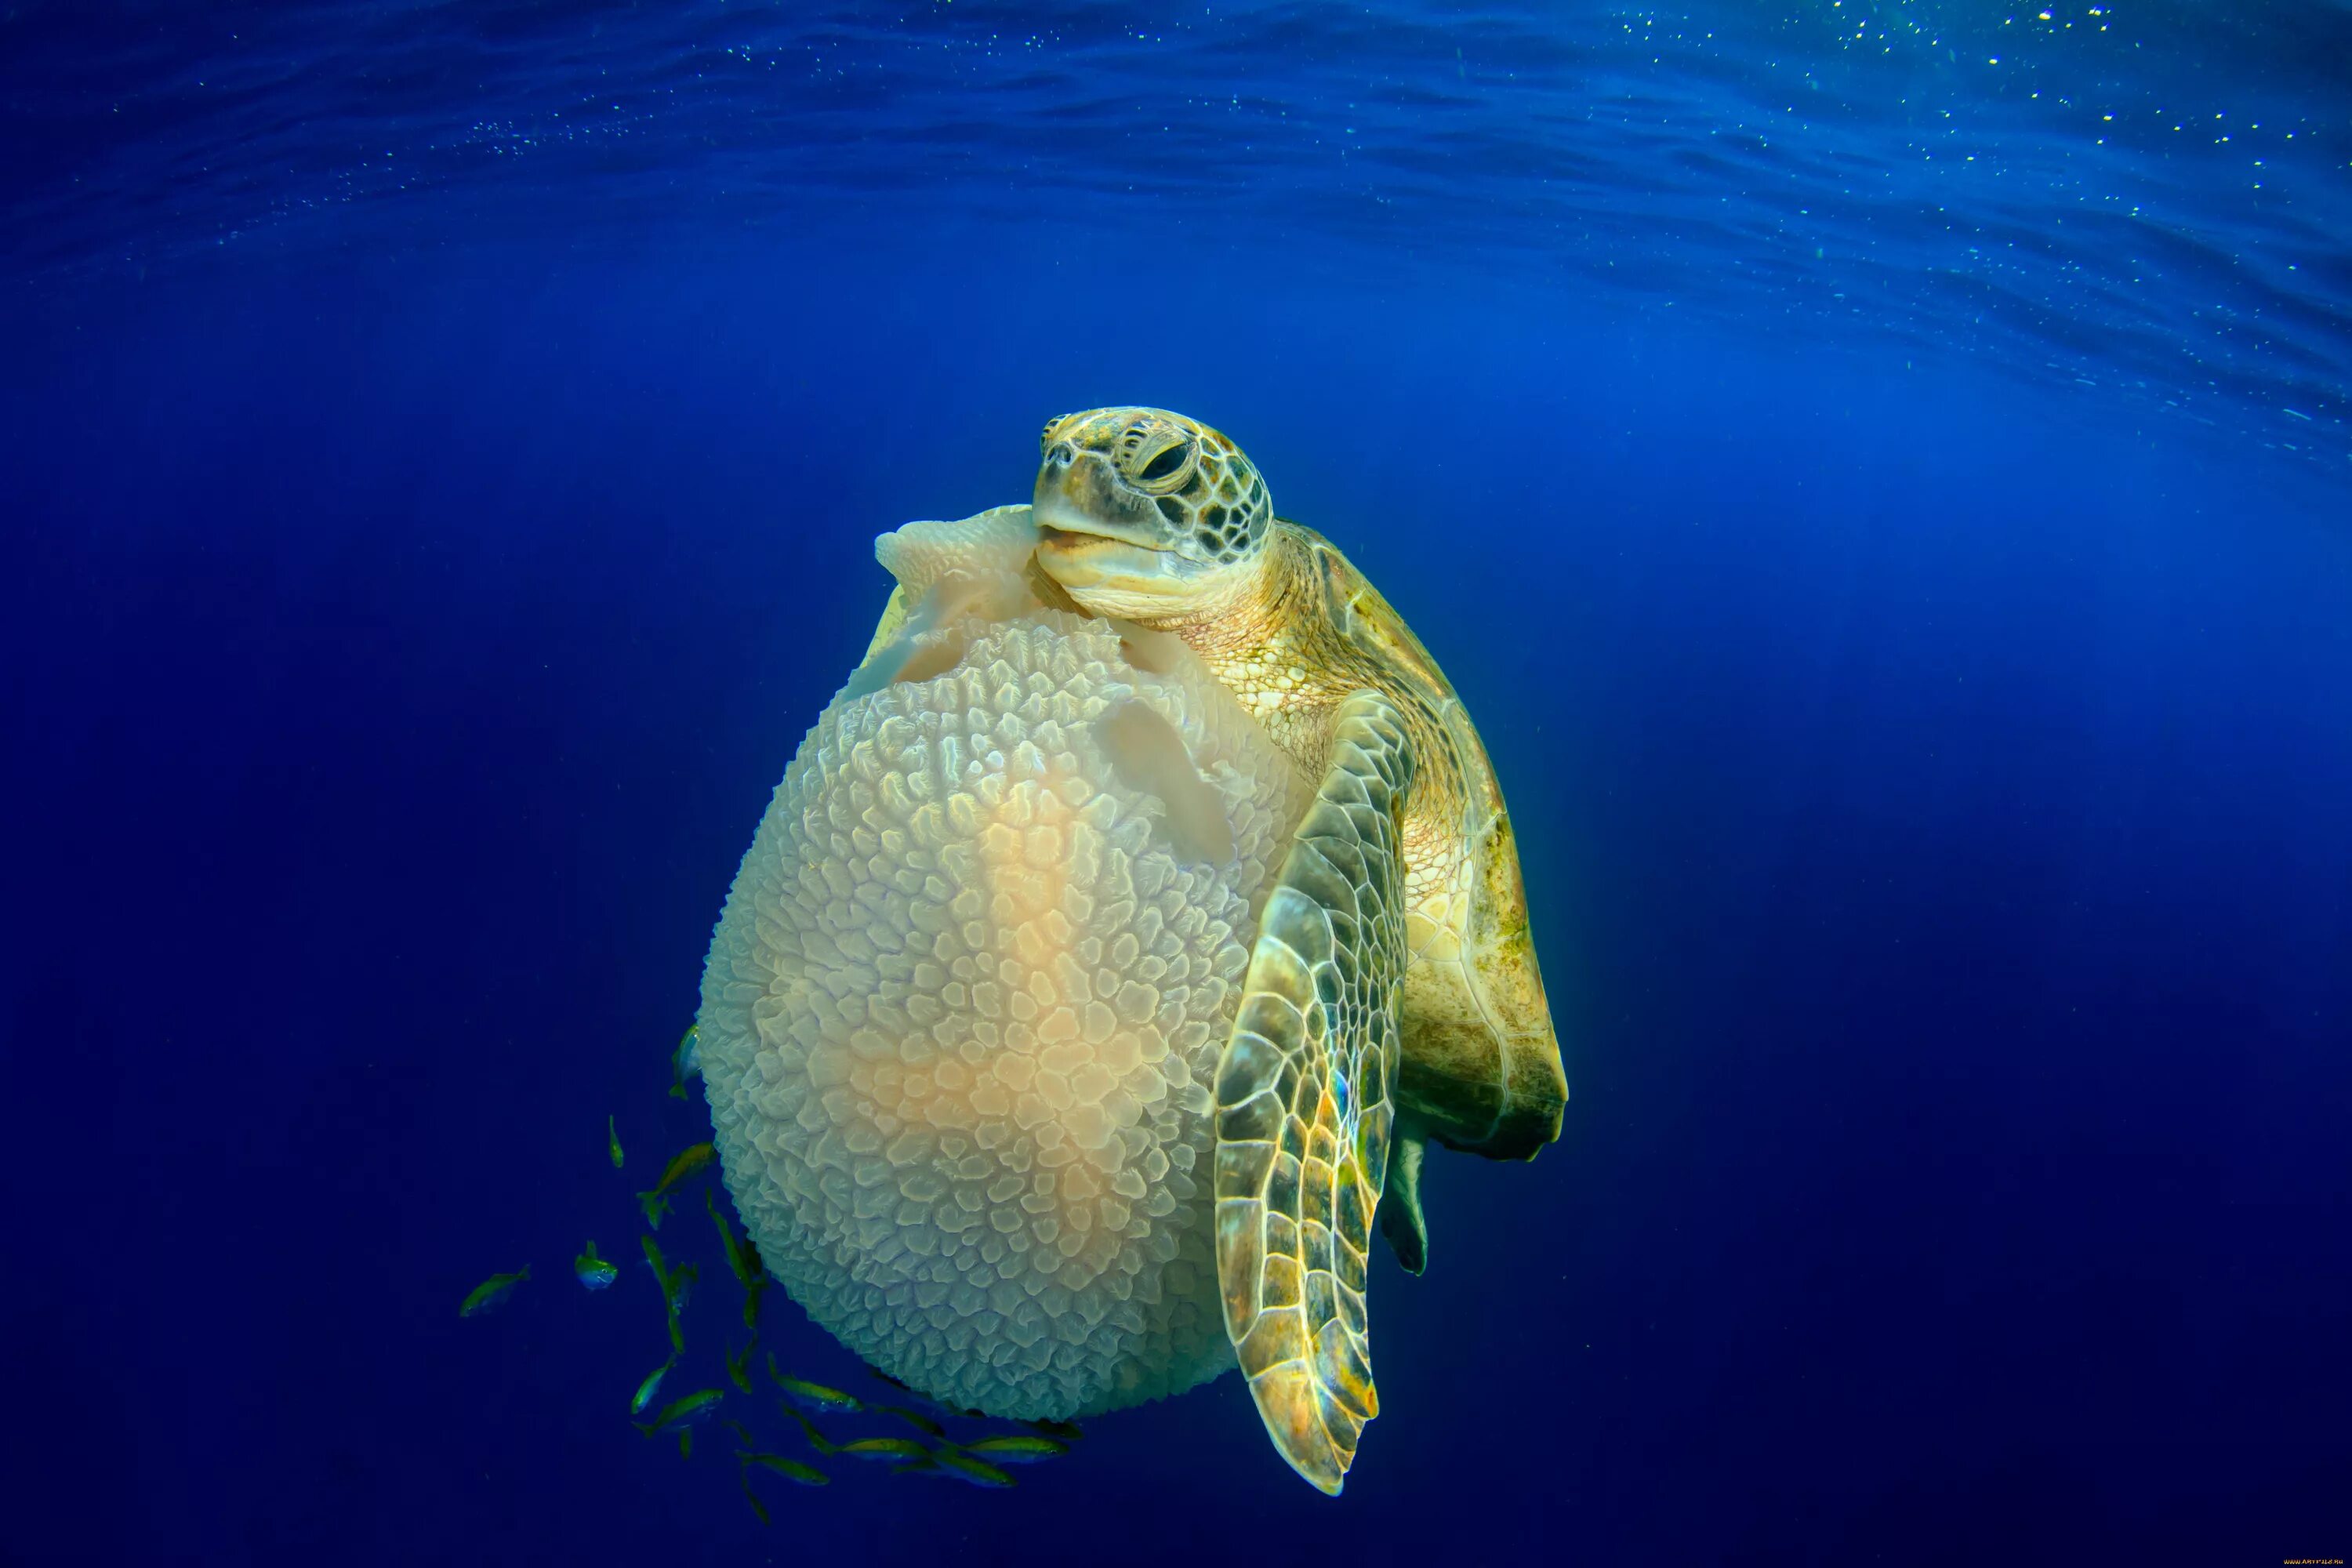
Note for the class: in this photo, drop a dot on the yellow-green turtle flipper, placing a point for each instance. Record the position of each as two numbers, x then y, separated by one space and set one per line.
1307 1099
1400 1217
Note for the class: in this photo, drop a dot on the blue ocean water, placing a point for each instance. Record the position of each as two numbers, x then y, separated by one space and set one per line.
1878 474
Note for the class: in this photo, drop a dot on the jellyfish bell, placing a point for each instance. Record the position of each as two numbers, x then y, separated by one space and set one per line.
963 1011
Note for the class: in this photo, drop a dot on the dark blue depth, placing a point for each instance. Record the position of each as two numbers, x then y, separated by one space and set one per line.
1932 776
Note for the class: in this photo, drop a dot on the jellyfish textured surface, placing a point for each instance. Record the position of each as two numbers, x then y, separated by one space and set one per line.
962 1015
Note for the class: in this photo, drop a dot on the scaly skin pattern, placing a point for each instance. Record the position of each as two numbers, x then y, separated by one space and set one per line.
963 1009
1160 519
1393 993
1482 1067
1306 1103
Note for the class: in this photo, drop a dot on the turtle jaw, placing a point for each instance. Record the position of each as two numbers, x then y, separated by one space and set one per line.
1113 568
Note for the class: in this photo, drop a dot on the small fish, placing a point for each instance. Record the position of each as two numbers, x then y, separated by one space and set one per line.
651 1386
687 1410
915 1418
753 1499
492 1293
727 1242
682 1167
751 1298
677 1285
742 1433
690 1409
1060 1431
739 1367
1017 1448
686 1062
791 1469
682 1416
743 1259
613 1142
681 1286
816 1439
813 1395
596 1273
965 1467
894 1449
743 1253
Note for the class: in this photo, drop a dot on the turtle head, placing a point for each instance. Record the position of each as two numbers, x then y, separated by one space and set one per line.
1148 515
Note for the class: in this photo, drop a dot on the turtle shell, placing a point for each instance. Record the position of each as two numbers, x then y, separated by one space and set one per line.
1481 1069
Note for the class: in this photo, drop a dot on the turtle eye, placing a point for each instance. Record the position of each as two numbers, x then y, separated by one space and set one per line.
1167 465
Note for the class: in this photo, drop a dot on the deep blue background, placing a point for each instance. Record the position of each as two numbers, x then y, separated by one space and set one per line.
1877 470
1934 801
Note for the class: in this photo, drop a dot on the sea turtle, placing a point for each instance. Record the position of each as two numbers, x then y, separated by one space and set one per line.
1391 995
1120 933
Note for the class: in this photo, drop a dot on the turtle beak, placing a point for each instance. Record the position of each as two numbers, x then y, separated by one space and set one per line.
1100 541
1079 505
1086 555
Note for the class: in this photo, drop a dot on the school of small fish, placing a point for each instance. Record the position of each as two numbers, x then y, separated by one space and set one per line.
976 1461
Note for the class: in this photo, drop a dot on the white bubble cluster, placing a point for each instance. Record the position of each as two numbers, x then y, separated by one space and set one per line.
963 1009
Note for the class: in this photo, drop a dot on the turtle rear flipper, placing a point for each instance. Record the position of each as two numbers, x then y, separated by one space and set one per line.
1400 1217
1306 1101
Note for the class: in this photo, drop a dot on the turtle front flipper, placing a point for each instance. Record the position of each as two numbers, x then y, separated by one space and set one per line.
1306 1098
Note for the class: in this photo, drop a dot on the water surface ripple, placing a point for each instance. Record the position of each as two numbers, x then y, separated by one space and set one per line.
2152 200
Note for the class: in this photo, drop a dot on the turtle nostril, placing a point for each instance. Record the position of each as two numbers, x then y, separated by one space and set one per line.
1060 454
